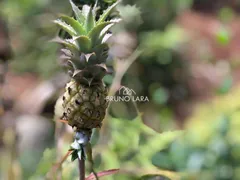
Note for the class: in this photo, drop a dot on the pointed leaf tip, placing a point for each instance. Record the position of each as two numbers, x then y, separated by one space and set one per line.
68 44
106 13
96 33
77 26
90 19
66 27
77 12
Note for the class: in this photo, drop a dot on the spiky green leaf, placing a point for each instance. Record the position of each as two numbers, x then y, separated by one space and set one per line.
73 42
104 32
84 43
77 12
106 13
95 33
66 27
78 62
90 20
92 59
74 24
106 37
68 44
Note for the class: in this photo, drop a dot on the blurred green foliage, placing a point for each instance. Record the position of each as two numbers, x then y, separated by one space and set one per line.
225 86
223 36
209 148
158 14
101 3
160 72
31 30
129 149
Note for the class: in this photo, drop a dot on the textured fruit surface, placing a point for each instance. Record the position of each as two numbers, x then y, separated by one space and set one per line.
84 106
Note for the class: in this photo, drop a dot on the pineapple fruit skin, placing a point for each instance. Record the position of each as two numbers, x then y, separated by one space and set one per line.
84 107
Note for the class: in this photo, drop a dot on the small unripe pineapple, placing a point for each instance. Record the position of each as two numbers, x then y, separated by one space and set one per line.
84 106
85 53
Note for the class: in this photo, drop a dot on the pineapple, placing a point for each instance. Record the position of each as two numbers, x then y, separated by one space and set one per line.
84 101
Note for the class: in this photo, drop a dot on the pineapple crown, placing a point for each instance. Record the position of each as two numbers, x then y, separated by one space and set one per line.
86 51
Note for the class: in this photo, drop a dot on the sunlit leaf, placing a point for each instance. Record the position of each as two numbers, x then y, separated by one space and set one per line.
66 27
70 44
75 24
90 20
95 33
77 13
84 43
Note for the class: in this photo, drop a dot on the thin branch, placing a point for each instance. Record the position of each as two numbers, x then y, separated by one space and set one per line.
63 159
102 173
152 171
121 68
58 165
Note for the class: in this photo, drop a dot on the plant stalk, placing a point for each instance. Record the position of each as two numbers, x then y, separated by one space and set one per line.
81 166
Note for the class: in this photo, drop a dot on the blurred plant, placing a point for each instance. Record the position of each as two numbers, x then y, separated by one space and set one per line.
28 32
5 56
209 149
129 148
160 66
5 49
103 4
